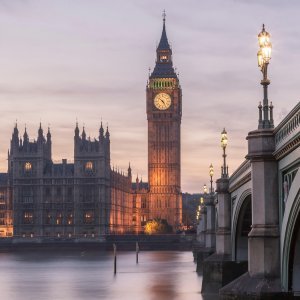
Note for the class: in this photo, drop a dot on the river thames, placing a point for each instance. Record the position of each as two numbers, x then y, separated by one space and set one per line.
67 275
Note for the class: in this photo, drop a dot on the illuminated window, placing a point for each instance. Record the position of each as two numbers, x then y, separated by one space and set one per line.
28 217
59 218
88 217
70 219
143 220
163 58
28 167
89 166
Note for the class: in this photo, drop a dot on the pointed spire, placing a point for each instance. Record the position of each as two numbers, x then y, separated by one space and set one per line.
16 131
101 131
129 171
48 134
83 135
107 132
76 129
164 44
40 131
40 134
164 66
25 135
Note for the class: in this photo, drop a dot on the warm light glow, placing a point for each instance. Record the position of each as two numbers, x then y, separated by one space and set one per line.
201 200
28 166
162 101
260 60
88 217
211 170
89 166
224 139
205 189
264 53
263 38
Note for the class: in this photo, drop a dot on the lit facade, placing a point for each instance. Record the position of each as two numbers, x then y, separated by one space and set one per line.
164 109
81 199
87 198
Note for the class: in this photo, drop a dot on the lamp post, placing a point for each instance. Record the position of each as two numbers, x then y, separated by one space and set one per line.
263 58
205 189
224 142
201 201
211 174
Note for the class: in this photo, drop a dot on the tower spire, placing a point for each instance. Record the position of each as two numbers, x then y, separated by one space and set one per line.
164 43
164 65
164 16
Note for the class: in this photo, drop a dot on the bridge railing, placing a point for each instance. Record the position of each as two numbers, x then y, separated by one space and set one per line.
240 175
288 129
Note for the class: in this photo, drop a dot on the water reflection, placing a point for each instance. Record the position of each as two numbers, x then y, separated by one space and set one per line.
65 275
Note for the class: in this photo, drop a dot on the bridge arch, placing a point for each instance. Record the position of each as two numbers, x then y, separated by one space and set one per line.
241 225
290 239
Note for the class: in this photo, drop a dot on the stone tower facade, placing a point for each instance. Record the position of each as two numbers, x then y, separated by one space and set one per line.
164 108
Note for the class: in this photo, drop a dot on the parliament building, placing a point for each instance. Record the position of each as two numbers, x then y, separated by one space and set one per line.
87 198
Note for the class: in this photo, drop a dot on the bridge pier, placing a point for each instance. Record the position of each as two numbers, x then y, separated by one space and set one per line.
219 269
263 276
205 236
210 234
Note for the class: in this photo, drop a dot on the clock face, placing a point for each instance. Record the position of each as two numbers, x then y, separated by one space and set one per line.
162 101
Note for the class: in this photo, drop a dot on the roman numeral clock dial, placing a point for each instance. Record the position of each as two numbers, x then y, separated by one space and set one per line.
162 101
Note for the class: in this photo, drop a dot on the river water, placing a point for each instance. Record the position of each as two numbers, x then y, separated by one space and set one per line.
88 275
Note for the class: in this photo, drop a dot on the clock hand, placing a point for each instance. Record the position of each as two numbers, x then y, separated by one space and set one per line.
163 101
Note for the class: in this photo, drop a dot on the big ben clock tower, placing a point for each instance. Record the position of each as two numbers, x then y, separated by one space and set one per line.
164 105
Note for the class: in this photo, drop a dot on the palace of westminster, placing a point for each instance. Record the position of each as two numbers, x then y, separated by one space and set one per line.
40 198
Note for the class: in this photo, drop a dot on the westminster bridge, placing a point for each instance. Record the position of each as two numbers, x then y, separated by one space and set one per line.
252 222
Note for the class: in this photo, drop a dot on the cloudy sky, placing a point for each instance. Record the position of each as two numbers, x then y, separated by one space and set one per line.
89 59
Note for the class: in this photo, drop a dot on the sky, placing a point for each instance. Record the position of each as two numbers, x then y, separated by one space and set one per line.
88 60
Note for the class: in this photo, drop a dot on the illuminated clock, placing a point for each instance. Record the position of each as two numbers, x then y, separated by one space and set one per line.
162 101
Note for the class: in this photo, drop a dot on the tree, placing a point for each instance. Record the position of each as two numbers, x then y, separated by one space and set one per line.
157 226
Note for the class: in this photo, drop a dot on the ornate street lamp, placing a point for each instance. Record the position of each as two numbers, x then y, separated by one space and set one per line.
263 59
205 189
211 174
224 142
